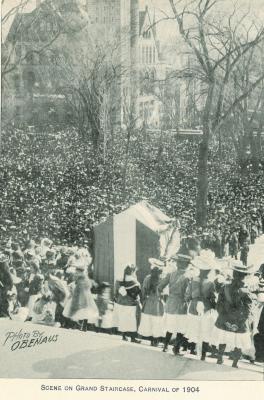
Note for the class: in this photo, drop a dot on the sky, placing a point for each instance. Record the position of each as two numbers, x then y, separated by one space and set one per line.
165 30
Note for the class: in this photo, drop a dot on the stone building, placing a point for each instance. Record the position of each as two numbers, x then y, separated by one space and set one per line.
34 95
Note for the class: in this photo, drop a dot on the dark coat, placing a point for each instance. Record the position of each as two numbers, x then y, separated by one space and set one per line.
176 302
208 295
234 308
133 293
152 304
6 284
193 295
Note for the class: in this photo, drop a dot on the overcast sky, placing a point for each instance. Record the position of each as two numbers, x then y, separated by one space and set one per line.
165 30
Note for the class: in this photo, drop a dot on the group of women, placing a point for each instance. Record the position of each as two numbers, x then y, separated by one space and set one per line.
191 300
204 308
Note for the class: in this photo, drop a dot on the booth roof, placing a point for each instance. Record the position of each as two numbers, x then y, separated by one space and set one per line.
146 213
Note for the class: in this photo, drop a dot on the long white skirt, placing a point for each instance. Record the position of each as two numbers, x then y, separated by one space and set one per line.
176 323
231 339
151 325
21 315
107 320
193 328
89 313
207 325
124 318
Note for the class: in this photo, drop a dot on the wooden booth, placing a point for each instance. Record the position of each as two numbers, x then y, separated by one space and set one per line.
131 237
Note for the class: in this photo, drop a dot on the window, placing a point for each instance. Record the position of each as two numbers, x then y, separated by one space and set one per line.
147 55
150 55
154 55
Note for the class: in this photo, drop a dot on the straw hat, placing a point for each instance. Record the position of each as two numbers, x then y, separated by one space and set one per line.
154 262
238 266
205 261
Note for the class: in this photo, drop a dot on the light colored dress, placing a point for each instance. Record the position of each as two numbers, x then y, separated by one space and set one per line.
81 305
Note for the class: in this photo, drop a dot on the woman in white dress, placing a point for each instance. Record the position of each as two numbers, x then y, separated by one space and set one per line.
127 303
81 305
202 296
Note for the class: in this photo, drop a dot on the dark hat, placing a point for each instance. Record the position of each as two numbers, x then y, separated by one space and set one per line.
182 260
129 270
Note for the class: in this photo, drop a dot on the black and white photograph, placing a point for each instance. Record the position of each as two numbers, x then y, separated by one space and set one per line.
132 192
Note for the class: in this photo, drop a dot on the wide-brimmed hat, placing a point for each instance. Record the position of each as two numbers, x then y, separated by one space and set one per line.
238 266
79 265
181 257
205 261
154 262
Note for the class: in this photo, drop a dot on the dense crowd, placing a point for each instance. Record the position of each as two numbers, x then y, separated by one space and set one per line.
56 185
205 305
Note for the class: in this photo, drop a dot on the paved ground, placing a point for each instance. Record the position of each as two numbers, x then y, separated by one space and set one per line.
90 355
256 253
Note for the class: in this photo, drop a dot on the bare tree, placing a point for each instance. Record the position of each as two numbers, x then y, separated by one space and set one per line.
216 47
23 36
248 115
91 77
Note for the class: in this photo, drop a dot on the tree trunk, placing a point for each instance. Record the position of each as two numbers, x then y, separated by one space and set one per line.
254 152
202 183
202 179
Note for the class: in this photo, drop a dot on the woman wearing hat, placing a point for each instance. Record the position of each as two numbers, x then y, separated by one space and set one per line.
151 324
81 305
176 305
202 295
231 331
60 295
126 304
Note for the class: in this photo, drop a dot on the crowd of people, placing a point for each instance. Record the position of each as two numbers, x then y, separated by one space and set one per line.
55 185
202 304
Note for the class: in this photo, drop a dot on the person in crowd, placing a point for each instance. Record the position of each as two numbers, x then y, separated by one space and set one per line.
6 284
176 305
60 294
44 310
234 304
35 292
244 253
105 307
127 304
234 244
203 309
81 305
259 331
192 297
151 324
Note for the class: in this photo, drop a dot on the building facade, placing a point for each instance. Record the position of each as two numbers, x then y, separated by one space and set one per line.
36 81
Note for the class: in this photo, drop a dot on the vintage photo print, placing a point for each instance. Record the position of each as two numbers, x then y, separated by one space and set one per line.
132 197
